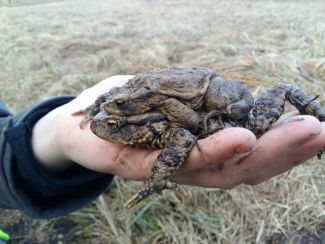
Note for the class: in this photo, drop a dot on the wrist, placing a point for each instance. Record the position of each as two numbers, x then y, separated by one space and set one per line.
47 142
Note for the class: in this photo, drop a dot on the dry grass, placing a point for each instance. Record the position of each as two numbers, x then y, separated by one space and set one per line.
63 47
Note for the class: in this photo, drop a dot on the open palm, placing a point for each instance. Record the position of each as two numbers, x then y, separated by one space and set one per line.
234 155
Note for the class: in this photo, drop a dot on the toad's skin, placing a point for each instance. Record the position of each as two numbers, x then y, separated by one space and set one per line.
91 111
178 93
151 130
154 130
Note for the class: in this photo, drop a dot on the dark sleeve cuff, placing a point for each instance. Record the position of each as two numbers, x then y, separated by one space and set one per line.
26 186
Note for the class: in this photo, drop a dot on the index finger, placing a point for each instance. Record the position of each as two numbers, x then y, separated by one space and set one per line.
219 147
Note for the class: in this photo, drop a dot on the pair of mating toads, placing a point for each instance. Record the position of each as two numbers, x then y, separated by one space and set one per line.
172 108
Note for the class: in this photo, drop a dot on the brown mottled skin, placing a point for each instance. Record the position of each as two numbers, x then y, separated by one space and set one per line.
154 130
158 119
178 93
151 130
91 111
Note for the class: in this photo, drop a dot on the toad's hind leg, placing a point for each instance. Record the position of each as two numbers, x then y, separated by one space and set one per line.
267 109
305 103
270 106
179 143
147 190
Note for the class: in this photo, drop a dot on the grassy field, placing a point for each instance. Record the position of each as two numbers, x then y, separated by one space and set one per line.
62 47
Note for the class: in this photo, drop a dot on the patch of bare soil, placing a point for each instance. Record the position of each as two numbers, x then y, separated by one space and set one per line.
302 236
24 230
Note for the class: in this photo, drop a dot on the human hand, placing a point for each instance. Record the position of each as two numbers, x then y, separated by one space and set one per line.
293 139
58 141
234 155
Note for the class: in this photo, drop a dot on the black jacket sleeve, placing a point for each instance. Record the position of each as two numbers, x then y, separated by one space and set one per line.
24 185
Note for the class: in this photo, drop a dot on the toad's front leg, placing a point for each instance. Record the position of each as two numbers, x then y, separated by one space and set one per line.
180 114
90 112
179 143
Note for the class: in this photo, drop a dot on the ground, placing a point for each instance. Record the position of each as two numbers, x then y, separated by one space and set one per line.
51 48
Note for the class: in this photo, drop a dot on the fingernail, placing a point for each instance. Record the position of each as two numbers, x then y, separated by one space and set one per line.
293 119
314 134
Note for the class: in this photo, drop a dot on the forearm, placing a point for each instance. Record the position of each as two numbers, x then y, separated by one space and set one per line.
25 185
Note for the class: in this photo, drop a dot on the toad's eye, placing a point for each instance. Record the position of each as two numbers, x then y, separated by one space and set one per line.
119 101
112 124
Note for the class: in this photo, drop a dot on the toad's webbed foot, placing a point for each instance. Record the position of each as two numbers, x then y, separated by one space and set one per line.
88 114
150 188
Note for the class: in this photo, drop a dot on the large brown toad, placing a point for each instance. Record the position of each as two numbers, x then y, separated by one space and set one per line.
155 130
178 93
149 130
